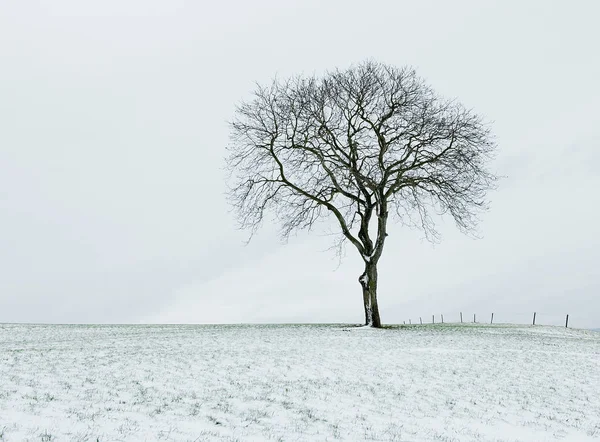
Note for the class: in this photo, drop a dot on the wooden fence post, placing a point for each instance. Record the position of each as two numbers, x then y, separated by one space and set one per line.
534 313
492 320
433 319
567 322
461 317
474 321
442 319
421 319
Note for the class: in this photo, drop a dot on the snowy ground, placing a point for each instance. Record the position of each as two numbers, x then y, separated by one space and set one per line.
194 383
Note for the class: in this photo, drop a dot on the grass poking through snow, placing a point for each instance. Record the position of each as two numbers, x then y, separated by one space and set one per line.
309 382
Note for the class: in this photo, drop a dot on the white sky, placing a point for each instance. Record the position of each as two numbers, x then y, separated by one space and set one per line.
113 132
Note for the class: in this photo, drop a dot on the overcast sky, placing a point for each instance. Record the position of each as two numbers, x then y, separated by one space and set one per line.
113 127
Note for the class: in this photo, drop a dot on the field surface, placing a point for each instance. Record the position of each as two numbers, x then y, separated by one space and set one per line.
298 383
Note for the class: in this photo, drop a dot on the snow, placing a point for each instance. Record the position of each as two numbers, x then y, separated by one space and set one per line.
298 382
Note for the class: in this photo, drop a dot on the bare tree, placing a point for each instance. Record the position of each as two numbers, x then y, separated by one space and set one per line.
361 145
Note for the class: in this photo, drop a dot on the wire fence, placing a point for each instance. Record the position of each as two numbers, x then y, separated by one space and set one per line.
491 318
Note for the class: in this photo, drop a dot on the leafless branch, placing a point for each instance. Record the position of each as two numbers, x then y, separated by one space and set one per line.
369 140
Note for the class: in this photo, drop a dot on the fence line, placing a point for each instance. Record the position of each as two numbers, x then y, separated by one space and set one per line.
533 321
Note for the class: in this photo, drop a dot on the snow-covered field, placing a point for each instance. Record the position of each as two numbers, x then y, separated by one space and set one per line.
309 382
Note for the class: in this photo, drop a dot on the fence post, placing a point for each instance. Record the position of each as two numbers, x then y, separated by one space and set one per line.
492 320
567 322
534 318
474 320
433 319
442 319
461 317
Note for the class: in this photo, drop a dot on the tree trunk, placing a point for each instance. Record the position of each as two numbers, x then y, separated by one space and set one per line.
368 282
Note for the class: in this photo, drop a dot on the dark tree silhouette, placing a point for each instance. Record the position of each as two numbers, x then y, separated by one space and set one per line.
362 145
